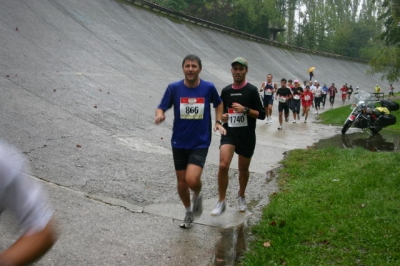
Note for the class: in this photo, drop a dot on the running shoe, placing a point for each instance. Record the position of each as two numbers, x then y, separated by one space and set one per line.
219 208
269 119
280 128
305 121
294 121
187 222
198 205
242 203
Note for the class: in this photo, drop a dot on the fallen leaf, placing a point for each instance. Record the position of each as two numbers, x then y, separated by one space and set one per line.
16 29
220 260
95 106
267 244
54 90
100 90
78 145
7 76
273 223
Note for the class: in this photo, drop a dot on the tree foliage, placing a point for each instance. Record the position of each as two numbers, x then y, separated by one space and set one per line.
387 60
345 27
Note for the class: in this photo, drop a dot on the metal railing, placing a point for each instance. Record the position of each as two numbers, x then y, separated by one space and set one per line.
208 24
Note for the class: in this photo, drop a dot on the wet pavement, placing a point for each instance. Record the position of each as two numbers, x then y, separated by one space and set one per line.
79 85
381 142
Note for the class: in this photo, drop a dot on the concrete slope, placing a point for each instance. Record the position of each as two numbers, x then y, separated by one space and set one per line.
79 83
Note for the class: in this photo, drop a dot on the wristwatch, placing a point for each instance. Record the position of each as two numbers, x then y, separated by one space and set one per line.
220 122
246 110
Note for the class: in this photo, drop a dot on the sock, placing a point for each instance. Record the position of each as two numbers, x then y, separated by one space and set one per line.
188 209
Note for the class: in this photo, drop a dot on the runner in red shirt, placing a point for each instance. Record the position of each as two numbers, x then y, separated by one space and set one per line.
307 98
344 90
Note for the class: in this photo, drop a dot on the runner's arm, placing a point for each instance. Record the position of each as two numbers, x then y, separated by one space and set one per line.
29 247
160 116
262 86
219 119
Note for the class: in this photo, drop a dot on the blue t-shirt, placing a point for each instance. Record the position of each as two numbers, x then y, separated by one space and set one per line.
192 113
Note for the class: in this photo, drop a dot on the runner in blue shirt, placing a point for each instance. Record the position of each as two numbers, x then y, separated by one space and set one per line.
191 136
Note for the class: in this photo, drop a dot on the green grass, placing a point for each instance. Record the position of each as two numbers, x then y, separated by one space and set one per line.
335 207
339 115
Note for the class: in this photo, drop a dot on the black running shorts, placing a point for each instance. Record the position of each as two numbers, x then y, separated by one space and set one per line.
244 143
183 157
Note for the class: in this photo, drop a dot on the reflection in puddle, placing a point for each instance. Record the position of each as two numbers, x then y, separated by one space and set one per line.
377 142
230 247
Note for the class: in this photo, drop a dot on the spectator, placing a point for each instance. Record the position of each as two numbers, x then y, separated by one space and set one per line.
391 90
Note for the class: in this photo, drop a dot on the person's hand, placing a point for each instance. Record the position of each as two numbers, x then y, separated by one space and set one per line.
238 107
160 116
220 128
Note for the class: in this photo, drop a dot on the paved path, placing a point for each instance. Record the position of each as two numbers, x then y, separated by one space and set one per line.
79 84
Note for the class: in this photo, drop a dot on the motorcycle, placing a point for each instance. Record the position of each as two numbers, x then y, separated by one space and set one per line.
368 117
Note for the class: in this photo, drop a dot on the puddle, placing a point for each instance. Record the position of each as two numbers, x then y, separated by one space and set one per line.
230 247
377 143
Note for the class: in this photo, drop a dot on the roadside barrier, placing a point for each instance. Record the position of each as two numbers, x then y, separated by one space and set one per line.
208 24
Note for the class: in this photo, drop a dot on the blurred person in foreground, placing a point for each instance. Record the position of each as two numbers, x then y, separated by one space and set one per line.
26 200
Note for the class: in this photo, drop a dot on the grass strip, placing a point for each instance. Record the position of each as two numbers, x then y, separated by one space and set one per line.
336 207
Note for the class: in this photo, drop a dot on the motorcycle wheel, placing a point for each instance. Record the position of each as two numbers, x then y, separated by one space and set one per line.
375 129
346 126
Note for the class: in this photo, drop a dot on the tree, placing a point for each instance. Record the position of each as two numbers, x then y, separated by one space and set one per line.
387 60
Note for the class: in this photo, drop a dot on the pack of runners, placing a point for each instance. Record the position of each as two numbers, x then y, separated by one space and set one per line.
237 109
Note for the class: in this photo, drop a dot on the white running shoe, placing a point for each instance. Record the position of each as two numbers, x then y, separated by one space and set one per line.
280 128
187 221
219 208
242 203
294 121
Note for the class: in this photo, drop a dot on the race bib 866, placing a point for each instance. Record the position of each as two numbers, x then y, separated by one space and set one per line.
192 108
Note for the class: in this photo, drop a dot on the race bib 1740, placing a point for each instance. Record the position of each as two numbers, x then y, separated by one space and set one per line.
192 108
236 119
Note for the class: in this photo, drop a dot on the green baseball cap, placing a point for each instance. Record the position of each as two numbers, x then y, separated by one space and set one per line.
240 60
